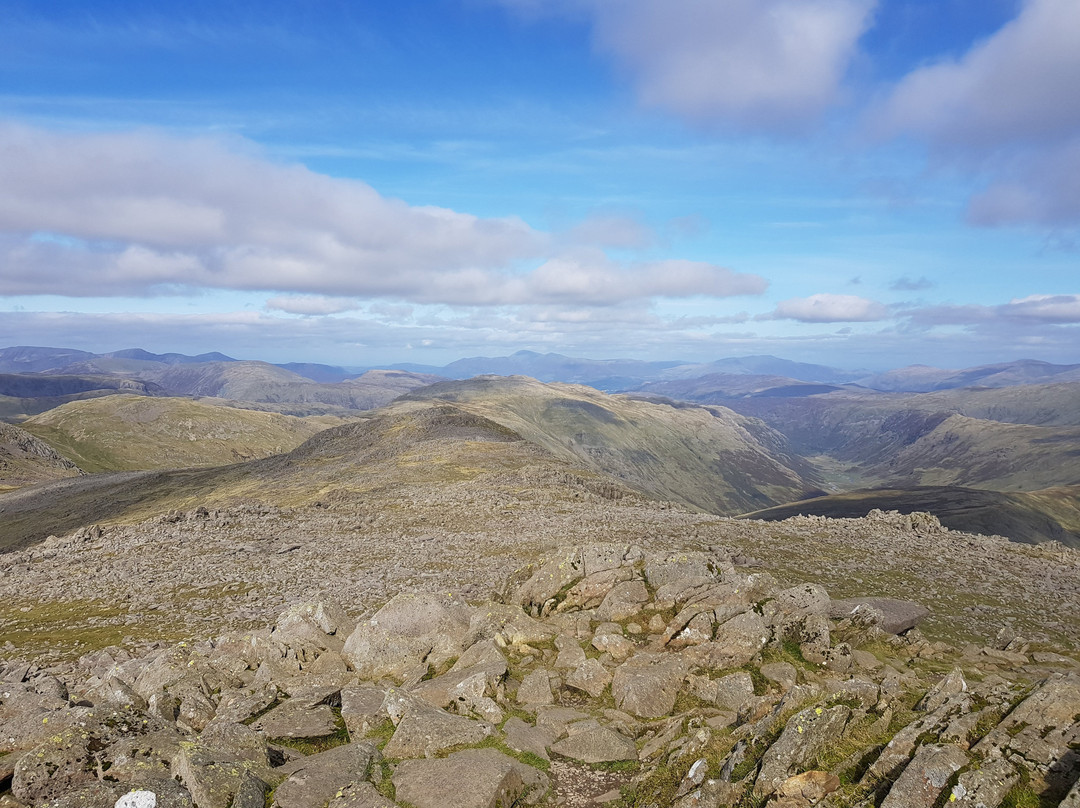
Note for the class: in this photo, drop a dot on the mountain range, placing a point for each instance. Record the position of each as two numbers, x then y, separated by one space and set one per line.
736 436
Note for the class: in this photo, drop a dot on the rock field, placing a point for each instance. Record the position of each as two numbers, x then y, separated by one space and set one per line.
601 674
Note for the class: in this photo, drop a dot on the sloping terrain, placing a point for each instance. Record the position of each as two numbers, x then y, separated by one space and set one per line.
24 460
920 378
1049 515
23 395
130 433
707 457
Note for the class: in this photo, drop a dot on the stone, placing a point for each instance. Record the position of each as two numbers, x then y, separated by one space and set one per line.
537 594
596 745
27 718
473 778
925 777
535 689
615 645
783 674
590 591
362 709
590 677
803 599
322 625
507 622
424 730
988 785
734 690
666 568
523 737
557 719
809 787
313 781
241 704
624 601
360 795
892 616
296 719
951 685
409 630
647 684
571 655
736 643
806 734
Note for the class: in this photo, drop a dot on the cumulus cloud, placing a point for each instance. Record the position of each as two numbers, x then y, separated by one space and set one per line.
142 213
827 308
750 64
1018 85
1007 109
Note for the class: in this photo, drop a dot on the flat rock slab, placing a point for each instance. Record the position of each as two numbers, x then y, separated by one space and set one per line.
314 781
597 745
474 778
298 719
925 777
428 731
647 684
361 795
897 615
523 737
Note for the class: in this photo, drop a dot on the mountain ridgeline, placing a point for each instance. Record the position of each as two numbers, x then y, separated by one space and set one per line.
750 435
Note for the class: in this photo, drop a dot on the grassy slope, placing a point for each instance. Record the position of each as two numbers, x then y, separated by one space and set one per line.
127 433
709 458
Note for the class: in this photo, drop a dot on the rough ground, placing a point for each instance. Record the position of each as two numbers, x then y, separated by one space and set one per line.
604 674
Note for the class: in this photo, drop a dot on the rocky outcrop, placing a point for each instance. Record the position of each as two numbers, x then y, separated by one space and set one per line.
609 673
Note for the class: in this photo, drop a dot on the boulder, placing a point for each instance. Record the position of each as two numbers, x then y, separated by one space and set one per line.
360 795
409 630
536 596
362 709
805 735
535 689
321 625
809 787
951 685
803 599
624 601
523 737
508 623
298 718
425 730
925 777
313 781
646 685
591 677
988 785
736 642
596 745
473 778
891 615
227 765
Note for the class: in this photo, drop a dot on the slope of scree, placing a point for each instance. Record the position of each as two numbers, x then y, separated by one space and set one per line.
24 460
602 674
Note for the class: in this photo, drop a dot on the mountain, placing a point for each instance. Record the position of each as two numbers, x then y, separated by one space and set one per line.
25 460
168 358
29 359
716 388
764 366
707 457
924 379
128 433
22 395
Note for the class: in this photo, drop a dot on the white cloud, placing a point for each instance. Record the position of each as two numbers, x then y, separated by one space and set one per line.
1009 110
142 213
1045 308
1049 310
311 305
827 308
1017 86
753 64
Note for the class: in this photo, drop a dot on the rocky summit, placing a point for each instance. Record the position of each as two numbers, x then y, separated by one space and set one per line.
601 674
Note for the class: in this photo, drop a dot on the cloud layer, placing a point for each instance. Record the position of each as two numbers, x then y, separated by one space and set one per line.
141 213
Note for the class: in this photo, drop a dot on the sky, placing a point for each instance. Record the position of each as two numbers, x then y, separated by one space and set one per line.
857 183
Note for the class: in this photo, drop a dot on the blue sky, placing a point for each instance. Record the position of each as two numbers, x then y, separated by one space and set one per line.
863 183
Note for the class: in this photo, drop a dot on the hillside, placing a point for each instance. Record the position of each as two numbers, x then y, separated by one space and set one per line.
1052 514
25 460
129 433
23 395
707 457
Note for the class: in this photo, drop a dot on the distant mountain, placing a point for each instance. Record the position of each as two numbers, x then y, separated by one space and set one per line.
327 374
22 395
168 358
717 388
924 379
29 359
764 366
